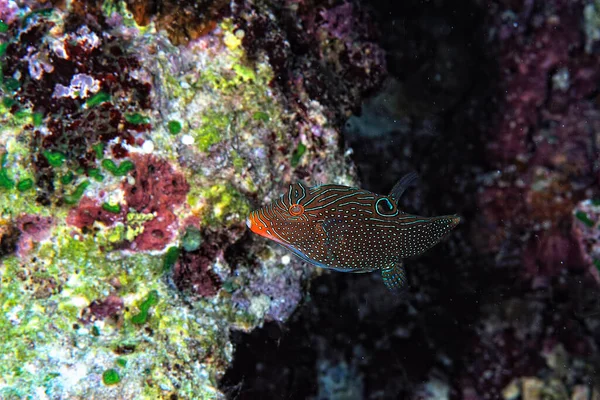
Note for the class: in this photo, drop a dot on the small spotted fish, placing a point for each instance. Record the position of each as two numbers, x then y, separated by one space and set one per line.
349 229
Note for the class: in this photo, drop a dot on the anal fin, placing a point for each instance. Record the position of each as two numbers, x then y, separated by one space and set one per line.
394 276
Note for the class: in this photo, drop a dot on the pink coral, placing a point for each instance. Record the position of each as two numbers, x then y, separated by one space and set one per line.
157 185
157 233
34 229
158 188
108 307
89 211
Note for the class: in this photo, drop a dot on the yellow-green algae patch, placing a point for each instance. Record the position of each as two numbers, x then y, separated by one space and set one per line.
48 347
14 202
213 126
223 93
218 204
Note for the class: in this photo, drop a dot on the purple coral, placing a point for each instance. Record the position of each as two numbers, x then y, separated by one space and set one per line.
8 11
526 66
542 143
193 270
339 21
550 254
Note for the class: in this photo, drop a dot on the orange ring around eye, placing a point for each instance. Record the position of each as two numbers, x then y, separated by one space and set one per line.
296 209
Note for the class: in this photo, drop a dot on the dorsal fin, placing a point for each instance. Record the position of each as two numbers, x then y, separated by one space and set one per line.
402 185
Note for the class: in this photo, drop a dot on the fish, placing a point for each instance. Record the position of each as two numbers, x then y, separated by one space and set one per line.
348 229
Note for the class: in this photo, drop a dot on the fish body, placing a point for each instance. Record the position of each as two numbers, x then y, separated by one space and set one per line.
350 229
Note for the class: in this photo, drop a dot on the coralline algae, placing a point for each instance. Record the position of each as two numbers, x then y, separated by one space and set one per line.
128 165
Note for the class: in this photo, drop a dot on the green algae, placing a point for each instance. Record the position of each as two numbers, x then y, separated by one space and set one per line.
22 116
170 258
99 150
134 225
83 267
112 235
192 239
120 232
111 377
3 27
24 184
37 119
174 127
11 84
15 203
150 301
84 273
244 73
137 119
76 195
96 174
67 178
583 217
298 153
8 102
120 170
6 181
260 116
138 218
42 306
55 158
98 98
113 208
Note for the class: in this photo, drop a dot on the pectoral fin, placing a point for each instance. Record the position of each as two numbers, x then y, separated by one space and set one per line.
394 276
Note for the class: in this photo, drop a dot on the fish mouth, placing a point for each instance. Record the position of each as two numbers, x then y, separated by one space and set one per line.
256 226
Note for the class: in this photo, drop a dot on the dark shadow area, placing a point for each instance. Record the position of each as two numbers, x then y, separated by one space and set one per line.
352 335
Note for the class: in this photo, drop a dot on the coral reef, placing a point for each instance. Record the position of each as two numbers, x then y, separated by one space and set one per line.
134 138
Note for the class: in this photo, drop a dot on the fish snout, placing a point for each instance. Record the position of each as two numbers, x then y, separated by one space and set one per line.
255 224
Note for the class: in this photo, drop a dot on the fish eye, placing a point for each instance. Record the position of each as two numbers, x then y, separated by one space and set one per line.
384 206
296 209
